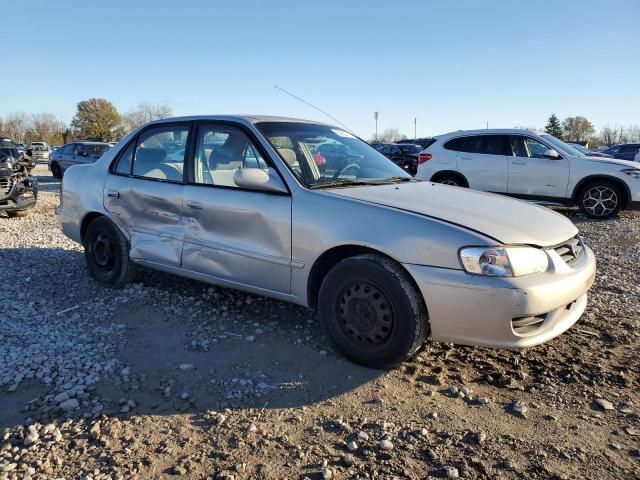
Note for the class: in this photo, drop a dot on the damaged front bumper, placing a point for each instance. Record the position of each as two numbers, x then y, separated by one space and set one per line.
18 193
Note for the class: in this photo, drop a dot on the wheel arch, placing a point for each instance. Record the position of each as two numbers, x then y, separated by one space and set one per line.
330 258
626 191
442 173
86 220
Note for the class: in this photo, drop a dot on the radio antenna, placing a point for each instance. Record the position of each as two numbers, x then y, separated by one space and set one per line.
313 106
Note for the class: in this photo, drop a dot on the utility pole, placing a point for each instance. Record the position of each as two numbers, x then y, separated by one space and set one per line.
415 128
487 124
375 115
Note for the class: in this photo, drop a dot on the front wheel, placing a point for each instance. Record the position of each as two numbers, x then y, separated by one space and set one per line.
600 199
371 311
106 252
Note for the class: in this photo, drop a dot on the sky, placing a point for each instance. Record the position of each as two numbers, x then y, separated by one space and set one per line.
449 64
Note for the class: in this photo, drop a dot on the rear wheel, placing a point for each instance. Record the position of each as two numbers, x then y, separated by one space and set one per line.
600 199
56 171
371 311
106 252
450 179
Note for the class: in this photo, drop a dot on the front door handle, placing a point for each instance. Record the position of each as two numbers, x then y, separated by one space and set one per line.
194 205
113 193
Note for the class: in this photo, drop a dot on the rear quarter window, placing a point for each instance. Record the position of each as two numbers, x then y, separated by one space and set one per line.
456 144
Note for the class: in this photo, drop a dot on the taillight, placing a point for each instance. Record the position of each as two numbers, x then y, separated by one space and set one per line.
423 158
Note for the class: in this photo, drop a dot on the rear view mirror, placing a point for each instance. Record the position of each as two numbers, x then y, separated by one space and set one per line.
258 179
552 154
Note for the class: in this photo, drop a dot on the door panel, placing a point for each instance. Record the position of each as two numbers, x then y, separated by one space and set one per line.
152 213
530 173
484 163
239 235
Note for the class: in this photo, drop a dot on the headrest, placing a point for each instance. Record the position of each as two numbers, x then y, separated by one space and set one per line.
288 155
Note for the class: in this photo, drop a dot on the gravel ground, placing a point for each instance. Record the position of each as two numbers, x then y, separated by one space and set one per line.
172 378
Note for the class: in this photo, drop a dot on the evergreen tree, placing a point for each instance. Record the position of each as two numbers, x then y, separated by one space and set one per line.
554 127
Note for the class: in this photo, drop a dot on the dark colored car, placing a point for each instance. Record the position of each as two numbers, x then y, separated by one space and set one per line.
404 155
15 150
423 142
75 153
625 151
18 189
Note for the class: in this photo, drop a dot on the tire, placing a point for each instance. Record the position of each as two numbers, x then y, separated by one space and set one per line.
17 213
371 312
106 252
450 179
600 199
56 171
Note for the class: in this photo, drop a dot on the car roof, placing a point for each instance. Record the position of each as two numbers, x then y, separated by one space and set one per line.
88 142
491 131
239 118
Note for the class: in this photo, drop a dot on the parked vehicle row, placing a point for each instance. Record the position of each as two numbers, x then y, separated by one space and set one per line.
75 153
589 153
627 151
308 213
532 166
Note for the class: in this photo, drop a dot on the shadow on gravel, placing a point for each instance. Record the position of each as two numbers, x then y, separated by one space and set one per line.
187 347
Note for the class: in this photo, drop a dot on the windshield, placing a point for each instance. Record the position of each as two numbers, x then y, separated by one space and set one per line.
563 147
581 149
322 156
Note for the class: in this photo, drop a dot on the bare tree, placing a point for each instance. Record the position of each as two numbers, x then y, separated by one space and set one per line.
16 125
389 135
577 129
145 112
609 135
45 127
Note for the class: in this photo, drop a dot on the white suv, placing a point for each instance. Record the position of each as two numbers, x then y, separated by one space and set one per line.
532 166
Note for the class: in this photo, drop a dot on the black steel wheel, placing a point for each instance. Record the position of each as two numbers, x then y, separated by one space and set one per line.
371 311
106 252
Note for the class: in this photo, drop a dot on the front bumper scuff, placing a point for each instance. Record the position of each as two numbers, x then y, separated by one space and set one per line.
476 310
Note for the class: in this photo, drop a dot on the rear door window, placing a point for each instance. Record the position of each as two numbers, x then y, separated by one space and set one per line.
160 153
495 145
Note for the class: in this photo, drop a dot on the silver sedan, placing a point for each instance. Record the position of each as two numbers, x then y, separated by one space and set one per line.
308 213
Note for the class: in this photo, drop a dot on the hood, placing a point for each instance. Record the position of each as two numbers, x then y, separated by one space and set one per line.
504 219
611 161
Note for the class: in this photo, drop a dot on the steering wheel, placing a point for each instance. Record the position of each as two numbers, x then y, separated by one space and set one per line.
346 167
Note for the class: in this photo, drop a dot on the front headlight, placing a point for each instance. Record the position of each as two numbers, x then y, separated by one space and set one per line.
632 172
503 261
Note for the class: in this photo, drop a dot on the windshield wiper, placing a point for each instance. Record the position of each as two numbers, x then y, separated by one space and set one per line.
344 182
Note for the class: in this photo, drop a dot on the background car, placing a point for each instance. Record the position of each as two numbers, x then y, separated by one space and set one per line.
532 166
74 154
423 142
587 152
404 155
625 151
41 150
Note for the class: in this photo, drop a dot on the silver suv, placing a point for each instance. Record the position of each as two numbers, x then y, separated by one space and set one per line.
308 213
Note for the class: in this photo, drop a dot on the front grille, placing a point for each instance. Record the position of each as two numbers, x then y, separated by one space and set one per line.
571 251
527 325
6 185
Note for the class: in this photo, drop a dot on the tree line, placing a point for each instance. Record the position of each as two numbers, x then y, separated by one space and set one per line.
95 119
579 129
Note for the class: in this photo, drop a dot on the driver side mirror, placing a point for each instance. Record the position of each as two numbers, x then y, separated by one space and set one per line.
258 179
552 154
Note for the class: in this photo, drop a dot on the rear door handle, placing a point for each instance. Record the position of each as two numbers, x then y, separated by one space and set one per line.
519 162
113 193
194 205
